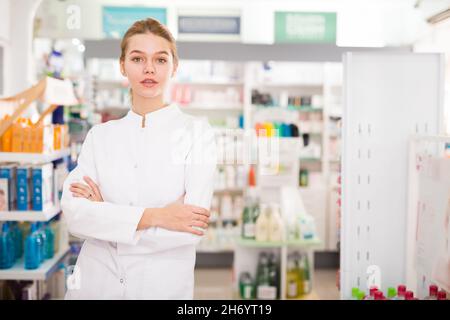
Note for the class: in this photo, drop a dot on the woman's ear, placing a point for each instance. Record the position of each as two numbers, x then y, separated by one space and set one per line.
174 71
122 68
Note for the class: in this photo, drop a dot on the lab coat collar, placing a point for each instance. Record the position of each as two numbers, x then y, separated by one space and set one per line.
158 115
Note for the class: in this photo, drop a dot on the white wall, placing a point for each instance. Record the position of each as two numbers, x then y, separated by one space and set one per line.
437 40
16 35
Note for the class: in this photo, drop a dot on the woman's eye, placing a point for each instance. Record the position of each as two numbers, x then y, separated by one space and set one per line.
136 59
162 60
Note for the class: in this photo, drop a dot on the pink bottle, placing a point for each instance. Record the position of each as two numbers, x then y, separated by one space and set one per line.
433 293
442 295
409 295
401 290
378 295
372 291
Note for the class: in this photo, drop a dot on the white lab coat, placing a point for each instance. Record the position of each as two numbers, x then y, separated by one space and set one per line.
136 168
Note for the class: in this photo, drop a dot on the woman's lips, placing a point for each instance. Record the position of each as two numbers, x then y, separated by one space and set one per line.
149 84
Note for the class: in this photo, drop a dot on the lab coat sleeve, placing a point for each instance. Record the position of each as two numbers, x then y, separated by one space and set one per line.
98 220
200 168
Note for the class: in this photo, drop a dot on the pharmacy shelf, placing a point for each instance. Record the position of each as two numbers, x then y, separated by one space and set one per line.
289 108
18 272
215 250
209 83
278 244
212 109
229 191
307 159
287 85
24 157
30 215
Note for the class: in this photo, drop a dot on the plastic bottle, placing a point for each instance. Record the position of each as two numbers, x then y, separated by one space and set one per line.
378 295
264 289
401 290
49 243
433 293
409 295
442 295
306 274
246 286
6 252
248 217
371 295
355 292
292 279
42 243
300 272
18 241
391 293
32 248
361 295
275 224
273 274
262 224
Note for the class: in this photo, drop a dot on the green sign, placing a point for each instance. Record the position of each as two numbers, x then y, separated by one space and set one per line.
305 27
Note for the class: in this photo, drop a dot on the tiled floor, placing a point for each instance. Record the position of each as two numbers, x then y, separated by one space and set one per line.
211 284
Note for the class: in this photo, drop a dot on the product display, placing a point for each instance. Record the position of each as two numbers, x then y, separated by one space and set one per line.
23 136
298 275
35 242
27 187
400 294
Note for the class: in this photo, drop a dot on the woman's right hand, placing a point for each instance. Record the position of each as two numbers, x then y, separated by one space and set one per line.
178 216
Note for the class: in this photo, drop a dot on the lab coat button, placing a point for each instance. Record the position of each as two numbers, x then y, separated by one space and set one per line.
135 166
121 280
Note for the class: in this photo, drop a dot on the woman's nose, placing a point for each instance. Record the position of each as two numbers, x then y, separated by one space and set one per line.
149 67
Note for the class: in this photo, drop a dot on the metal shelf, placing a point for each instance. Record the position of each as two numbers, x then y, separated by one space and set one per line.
18 272
278 244
30 215
24 157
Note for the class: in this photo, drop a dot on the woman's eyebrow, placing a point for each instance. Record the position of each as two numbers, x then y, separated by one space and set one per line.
141 52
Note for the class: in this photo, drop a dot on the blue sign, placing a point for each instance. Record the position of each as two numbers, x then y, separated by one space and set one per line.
117 20
209 25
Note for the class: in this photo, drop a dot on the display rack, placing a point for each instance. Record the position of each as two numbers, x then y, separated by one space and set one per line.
54 92
18 272
376 134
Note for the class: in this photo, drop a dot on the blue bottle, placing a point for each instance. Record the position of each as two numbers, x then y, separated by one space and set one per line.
18 240
11 246
49 242
32 248
41 235
4 247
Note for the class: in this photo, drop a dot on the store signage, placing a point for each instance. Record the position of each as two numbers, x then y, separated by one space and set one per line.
209 25
117 20
305 27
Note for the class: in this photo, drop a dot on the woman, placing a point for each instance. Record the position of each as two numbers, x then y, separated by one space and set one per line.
141 192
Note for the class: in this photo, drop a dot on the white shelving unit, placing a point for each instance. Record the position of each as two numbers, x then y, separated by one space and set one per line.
24 157
18 271
31 216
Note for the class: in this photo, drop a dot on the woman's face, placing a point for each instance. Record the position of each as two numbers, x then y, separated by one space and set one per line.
148 64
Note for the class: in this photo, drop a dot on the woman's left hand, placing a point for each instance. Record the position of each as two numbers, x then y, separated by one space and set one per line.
90 192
